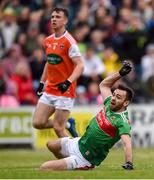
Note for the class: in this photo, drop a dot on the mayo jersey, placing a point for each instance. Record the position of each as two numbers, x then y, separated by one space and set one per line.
102 133
59 52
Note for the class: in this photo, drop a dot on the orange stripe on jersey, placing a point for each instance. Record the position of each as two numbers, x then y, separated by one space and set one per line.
60 65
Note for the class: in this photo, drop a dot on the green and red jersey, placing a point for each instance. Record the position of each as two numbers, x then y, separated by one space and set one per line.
104 130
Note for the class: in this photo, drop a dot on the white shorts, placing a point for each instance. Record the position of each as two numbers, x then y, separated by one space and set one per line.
59 102
73 157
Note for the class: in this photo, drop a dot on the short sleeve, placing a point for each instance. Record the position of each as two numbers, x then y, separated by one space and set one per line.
124 128
107 101
74 51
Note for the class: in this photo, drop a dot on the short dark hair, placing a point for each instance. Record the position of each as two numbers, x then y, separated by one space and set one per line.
59 9
130 93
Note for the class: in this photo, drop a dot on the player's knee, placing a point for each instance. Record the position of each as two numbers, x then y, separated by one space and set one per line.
38 125
51 145
58 129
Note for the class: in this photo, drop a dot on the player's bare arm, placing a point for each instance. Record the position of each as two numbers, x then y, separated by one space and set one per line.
63 86
128 152
44 74
79 67
127 147
108 82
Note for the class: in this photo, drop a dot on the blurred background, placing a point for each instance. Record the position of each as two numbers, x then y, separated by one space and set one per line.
107 32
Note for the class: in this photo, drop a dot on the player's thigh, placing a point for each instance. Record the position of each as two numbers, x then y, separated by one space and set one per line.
60 117
72 154
54 145
42 112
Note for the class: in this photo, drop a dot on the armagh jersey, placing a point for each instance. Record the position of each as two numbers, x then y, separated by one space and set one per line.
59 52
102 133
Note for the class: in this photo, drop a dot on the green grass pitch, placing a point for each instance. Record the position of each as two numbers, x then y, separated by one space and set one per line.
23 164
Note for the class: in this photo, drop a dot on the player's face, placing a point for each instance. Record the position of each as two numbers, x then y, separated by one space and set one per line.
58 20
118 101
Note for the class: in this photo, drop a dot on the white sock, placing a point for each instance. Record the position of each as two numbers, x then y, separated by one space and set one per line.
67 125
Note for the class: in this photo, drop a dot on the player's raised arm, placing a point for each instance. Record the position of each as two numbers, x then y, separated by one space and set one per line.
108 82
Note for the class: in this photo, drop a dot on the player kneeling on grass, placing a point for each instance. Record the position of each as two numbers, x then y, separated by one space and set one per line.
109 126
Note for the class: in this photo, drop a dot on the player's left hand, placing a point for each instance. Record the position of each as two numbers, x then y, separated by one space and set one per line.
126 68
63 86
128 166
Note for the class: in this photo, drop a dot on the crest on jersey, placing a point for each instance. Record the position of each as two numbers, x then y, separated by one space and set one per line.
87 153
113 117
61 46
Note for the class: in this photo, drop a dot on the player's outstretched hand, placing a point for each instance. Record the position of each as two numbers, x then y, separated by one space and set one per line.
128 166
126 68
63 86
40 89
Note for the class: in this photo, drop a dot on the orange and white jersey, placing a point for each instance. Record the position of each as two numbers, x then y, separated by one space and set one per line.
59 52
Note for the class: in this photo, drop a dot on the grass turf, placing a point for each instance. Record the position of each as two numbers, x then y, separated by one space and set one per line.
23 164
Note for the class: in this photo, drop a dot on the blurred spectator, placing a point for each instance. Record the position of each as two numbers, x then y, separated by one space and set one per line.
6 100
111 61
118 38
24 84
135 39
23 19
34 4
99 16
147 63
145 10
93 69
15 4
93 93
8 29
81 32
107 4
40 40
96 38
37 62
21 41
82 15
32 35
81 96
125 14
149 85
13 56
127 4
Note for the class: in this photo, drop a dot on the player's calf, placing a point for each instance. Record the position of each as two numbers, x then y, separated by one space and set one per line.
54 165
